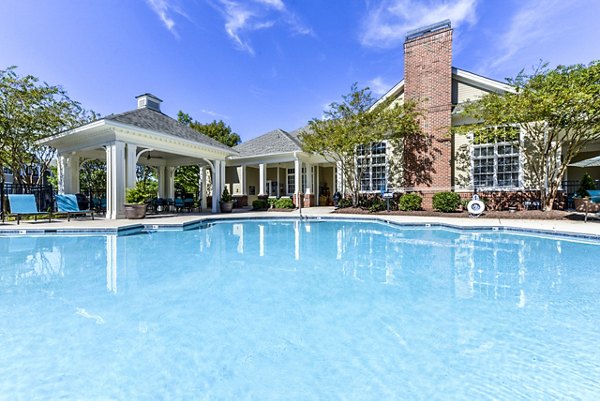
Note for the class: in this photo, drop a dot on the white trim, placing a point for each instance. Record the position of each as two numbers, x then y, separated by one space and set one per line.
481 81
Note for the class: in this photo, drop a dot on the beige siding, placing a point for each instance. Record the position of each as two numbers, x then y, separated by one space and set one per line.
464 92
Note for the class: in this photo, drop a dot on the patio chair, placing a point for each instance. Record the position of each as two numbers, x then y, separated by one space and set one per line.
24 205
68 204
179 205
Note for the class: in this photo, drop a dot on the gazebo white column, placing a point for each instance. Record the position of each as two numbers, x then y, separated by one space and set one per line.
215 178
222 179
115 180
161 181
131 162
170 181
68 174
203 187
262 177
297 181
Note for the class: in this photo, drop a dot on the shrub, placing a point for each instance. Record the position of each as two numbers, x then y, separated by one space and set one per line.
446 201
587 183
260 204
344 202
271 202
410 202
226 196
377 205
284 203
142 192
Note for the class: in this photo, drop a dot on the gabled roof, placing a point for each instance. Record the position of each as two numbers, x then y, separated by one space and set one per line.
273 142
465 76
156 121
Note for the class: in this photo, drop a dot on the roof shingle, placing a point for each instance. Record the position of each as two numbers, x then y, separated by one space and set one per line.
276 141
159 122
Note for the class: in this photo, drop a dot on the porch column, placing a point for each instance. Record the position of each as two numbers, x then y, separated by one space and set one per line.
242 175
309 180
297 181
262 179
215 178
161 181
130 176
317 186
115 180
203 187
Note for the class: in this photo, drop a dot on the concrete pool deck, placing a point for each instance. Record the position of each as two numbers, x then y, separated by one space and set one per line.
179 221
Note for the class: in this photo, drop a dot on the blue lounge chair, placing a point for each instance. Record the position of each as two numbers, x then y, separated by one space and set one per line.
68 204
24 205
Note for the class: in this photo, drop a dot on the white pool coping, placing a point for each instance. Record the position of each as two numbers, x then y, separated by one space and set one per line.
83 225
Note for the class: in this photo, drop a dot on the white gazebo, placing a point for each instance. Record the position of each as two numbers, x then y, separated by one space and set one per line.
143 136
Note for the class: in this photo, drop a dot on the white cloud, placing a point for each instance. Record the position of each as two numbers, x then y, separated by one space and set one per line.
533 23
215 114
378 86
164 9
243 17
387 23
276 4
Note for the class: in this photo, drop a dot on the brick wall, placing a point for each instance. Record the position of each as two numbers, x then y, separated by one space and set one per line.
428 80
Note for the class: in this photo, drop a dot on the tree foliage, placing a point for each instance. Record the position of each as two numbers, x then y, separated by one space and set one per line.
187 177
357 121
217 129
30 111
557 110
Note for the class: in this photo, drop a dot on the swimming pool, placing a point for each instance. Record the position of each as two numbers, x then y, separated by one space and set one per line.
312 310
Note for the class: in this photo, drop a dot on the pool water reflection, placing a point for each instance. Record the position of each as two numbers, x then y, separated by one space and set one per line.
299 310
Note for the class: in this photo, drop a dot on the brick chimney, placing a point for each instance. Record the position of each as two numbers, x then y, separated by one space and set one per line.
428 80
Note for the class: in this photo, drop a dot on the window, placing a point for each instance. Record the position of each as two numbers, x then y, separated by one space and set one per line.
371 165
291 182
496 165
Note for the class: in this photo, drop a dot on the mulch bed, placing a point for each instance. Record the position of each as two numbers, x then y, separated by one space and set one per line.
491 214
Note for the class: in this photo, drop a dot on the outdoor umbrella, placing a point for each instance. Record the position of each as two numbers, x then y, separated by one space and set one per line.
592 162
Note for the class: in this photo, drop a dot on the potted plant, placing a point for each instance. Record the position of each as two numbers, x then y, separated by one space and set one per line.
135 200
226 202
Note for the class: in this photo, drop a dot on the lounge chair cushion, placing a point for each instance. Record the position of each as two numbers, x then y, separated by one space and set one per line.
23 204
67 203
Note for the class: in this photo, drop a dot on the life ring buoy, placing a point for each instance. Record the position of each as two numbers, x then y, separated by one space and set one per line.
475 207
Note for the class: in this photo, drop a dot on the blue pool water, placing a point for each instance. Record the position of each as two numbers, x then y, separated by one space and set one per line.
329 310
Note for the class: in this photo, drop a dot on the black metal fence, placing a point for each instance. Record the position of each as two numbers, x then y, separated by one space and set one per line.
44 195
570 187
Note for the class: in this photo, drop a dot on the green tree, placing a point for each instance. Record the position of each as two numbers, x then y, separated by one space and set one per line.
558 112
92 175
217 129
30 111
187 177
357 121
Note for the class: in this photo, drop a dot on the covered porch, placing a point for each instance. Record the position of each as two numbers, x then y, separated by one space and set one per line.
252 178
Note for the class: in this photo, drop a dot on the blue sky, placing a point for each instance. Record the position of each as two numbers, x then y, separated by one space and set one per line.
265 64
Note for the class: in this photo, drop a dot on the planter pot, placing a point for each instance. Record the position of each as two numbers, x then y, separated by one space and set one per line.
226 207
135 211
